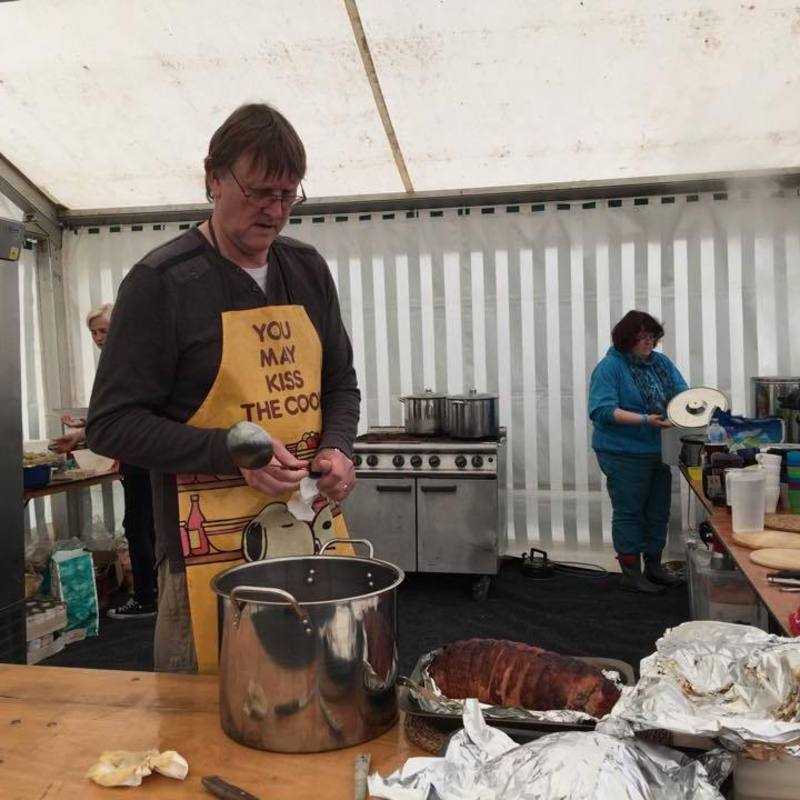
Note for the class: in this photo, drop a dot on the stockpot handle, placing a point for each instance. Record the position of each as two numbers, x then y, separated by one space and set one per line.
239 604
367 542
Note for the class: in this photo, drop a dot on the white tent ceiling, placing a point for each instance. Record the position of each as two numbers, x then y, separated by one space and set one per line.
110 103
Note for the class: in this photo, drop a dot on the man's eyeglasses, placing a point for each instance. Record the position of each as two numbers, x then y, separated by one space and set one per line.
265 197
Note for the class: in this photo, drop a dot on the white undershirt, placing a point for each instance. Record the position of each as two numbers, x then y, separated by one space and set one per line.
259 275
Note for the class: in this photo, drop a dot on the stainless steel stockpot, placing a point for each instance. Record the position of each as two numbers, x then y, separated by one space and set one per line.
472 415
308 651
425 414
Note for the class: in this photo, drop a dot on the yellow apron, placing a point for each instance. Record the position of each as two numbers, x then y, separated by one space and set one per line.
270 374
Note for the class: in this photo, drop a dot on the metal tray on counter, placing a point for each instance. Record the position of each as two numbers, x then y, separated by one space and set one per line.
518 729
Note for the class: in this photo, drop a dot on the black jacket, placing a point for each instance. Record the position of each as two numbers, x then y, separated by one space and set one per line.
163 352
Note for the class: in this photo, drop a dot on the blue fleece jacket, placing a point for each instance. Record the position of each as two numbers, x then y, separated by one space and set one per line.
612 386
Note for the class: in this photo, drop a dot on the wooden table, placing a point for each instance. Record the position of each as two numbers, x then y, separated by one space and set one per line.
780 604
56 487
55 722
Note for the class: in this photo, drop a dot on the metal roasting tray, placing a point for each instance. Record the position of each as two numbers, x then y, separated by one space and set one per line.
519 730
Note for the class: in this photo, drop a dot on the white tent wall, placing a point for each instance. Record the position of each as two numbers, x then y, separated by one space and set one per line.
34 402
109 103
521 302
34 405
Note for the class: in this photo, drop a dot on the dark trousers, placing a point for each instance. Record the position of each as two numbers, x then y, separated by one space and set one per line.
640 489
140 532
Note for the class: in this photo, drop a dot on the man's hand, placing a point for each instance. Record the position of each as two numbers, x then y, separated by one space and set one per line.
283 473
338 474
657 421
73 422
69 441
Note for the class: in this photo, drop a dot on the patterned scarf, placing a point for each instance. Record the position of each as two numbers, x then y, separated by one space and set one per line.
653 381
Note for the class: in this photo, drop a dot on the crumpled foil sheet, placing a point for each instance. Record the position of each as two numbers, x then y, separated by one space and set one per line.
719 679
424 690
483 763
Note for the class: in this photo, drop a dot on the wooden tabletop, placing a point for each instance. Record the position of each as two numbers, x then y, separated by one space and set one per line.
55 722
780 604
55 487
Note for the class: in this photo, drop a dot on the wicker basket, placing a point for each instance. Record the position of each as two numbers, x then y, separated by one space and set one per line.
425 735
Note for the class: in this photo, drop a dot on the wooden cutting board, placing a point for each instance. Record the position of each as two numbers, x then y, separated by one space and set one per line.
783 522
785 540
776 558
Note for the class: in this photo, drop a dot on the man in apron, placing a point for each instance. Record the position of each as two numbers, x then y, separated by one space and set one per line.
225 323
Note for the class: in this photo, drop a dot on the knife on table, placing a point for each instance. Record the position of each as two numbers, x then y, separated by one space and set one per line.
224 790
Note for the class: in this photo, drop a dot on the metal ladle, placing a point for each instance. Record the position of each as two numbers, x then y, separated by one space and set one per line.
249 445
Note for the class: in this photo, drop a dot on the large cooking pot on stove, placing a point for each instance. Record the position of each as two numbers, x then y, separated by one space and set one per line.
473 415
308 651
425 414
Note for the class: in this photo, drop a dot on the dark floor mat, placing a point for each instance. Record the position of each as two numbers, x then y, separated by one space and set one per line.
568 614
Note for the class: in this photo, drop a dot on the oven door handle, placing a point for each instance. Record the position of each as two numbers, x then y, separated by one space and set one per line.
449 489
382 487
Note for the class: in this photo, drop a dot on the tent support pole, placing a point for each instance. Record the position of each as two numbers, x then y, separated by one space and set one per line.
377 92
758 182
41 215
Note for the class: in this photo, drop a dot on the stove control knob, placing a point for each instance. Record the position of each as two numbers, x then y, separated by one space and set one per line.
461 462
398 461
372 461
477 461
416 461
356 460
434 461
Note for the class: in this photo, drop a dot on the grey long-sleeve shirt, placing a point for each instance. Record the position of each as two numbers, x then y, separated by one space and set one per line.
164 349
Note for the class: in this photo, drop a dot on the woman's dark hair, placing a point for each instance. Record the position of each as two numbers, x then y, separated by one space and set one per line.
631 326
263 133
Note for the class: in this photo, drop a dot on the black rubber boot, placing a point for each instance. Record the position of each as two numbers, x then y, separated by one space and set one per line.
632 578
656 573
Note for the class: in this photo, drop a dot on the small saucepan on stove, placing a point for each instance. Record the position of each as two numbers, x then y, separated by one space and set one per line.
425 414
473 415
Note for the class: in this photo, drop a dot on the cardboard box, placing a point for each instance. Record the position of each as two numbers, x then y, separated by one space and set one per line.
44 616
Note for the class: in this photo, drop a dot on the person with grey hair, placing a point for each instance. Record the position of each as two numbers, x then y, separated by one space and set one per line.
138 519
98 321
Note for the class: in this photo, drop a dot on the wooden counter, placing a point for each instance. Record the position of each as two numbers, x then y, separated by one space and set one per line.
55 722
780 604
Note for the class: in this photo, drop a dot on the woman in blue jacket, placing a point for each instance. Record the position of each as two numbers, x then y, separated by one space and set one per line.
628 397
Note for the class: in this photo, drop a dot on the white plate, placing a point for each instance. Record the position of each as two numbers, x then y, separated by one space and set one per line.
91 462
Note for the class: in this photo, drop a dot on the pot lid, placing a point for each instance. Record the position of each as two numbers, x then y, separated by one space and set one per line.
427 394
473 394
694 407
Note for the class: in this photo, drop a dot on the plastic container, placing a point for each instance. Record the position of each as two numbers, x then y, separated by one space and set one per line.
772 496
36 477
769 458
721 595
715 434
745 492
